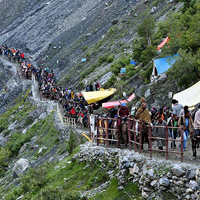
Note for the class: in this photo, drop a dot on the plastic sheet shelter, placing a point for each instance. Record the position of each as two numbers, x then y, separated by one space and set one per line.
190 96
123 70
132 62
163 64
83 60
109 105
92 97
166 40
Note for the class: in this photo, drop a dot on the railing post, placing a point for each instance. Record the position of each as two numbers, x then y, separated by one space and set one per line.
103 131
129 134
135 135
118 140
107 141
140 138
97 131
90 128
182 132
167 144
150 141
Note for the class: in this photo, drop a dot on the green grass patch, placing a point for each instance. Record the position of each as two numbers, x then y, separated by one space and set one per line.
63 179
112 193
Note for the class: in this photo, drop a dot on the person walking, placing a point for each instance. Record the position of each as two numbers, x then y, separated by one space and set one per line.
176 107
197 125
187 123
160 131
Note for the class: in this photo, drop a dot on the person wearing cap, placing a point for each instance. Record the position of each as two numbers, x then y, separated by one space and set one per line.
124 111
143 114
114 111
113 114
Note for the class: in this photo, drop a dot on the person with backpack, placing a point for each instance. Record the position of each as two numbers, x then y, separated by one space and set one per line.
91 87
161 114
173 122
187 123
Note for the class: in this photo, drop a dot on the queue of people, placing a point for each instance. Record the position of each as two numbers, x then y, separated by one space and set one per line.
175 118
75 106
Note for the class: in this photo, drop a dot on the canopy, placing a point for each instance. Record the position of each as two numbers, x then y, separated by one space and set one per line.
132 62
95 96
123 70
83 60
163 64
166 40
190 96
109 105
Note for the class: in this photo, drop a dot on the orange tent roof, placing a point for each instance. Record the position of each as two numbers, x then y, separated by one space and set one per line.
166 40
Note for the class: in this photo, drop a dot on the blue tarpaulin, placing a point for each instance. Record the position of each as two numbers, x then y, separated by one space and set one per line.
83 60
132 62
163 64
123 70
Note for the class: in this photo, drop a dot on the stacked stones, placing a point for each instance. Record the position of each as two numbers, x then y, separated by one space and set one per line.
155 178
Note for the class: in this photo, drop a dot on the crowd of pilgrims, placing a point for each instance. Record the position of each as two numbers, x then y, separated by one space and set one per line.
75 105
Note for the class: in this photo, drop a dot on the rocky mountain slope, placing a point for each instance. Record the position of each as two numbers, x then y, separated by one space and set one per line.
60 33
40 158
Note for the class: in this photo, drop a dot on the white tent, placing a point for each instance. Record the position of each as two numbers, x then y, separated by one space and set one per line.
190 96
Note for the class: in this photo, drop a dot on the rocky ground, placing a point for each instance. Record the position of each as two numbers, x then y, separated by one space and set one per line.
157 179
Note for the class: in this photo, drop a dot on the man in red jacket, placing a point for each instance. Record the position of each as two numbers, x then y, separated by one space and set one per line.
123 112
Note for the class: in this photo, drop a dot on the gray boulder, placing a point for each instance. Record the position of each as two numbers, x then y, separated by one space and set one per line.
164 182
191 174
193 185
178 171
20 167
154 183
147 93
150 174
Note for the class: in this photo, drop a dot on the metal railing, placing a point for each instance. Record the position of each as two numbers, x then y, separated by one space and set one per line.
135 129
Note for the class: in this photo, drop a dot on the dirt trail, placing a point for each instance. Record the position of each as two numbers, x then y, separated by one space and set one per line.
51 105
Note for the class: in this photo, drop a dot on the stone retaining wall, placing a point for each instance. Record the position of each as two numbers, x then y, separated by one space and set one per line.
156 178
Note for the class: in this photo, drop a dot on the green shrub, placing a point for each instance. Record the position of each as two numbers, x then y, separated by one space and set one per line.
72 142
6 132
110 58
4 158
3 124
84 74
88 54
146 75
84 48
57 193
16 141
111 81
118 64
34 180
103 59
131 71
